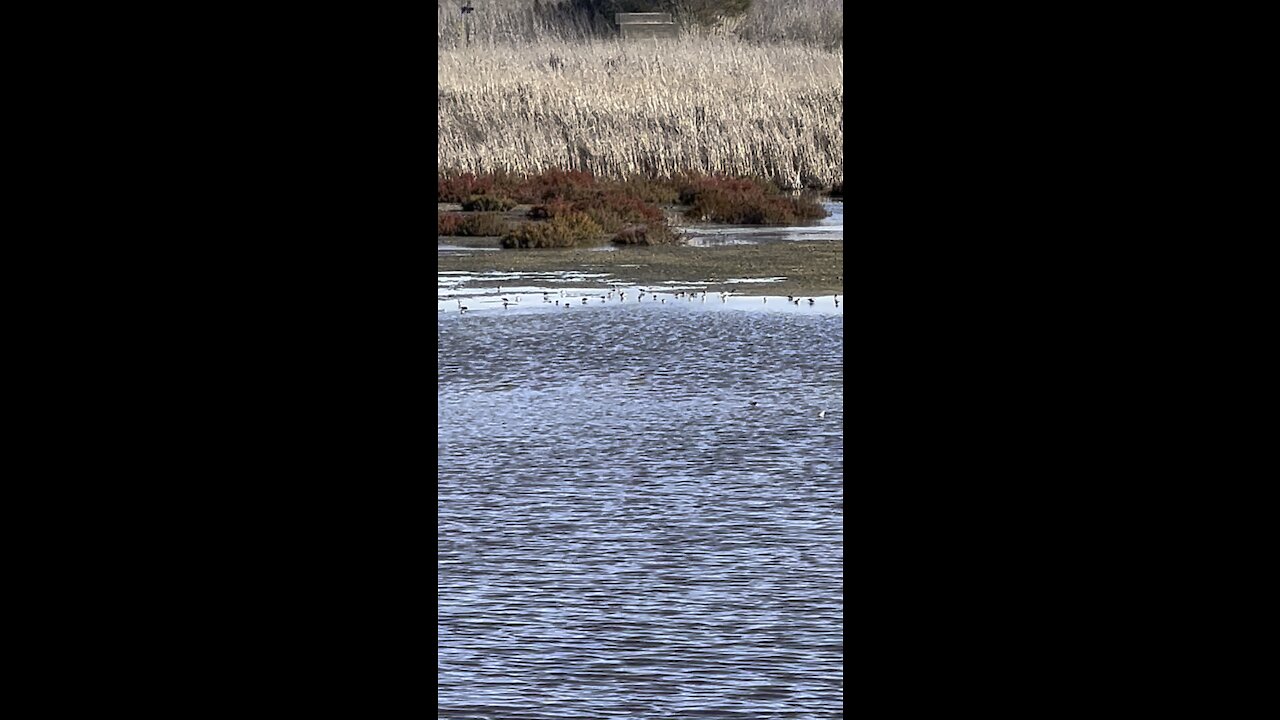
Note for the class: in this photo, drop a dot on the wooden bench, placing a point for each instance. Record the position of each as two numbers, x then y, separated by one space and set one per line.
642 26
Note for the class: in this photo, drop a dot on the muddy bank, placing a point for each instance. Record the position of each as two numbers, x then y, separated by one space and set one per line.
805 268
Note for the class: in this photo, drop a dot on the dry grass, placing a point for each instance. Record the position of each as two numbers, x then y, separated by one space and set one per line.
651 108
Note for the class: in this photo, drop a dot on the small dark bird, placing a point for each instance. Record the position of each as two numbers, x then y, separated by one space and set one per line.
810 301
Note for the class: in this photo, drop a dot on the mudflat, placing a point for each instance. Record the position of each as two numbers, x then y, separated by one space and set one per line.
806 268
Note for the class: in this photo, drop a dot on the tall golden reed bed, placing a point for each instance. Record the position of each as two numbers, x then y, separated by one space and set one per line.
712 104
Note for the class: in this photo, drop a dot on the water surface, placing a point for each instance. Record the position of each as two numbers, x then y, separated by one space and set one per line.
621 532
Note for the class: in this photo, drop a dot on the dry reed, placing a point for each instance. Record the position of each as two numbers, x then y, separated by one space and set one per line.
651 108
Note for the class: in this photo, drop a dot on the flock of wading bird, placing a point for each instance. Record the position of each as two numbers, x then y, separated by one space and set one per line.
621 295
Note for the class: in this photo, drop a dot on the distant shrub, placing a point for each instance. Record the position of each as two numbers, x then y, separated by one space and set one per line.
460 187
568 230
837 190
458 224
488 203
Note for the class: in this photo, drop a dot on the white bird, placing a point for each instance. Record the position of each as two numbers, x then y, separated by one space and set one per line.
822 414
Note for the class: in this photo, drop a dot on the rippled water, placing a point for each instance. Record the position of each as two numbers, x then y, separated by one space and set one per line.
621 534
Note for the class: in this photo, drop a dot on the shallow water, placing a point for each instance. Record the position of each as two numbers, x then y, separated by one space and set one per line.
704 235
621 534
455 298
829 228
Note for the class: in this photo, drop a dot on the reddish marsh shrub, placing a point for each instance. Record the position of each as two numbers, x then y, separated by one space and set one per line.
459 188
470 225
563 184
743 201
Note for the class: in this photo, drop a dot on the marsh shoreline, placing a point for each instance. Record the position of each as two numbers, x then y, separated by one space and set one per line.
807 268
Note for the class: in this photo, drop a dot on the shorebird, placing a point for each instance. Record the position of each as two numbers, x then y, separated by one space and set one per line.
505 303
584 301
810 301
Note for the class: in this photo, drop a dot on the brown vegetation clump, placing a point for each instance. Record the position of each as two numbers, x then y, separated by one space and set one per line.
488 203
568 230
